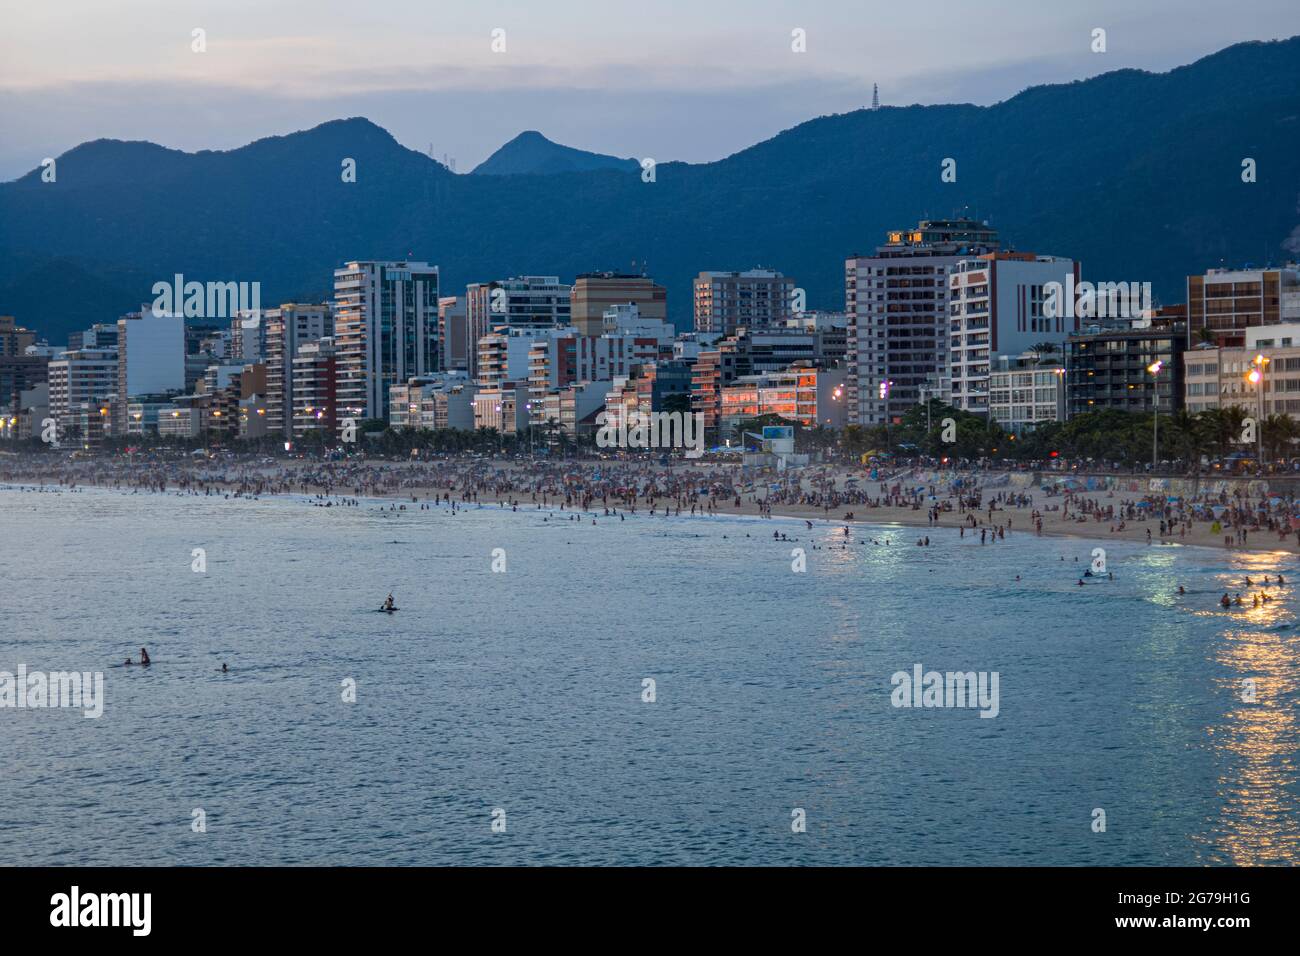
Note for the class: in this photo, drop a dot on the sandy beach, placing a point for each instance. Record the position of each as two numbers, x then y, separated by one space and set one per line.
1029 510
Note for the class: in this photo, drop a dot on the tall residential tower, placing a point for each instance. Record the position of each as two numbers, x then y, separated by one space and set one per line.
385 331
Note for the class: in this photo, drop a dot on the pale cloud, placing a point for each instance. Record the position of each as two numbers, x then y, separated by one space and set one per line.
673 79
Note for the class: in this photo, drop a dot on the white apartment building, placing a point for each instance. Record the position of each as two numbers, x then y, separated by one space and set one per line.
626 319
1024 392
1217 377
996 307
79 379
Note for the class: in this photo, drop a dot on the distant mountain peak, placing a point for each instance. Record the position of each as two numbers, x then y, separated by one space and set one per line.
532 154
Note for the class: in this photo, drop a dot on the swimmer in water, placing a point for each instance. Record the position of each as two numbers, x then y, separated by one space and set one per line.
144 658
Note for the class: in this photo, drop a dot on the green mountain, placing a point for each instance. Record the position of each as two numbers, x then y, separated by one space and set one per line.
531 153
1138 175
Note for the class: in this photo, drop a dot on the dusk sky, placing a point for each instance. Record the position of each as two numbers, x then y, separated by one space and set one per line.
669 79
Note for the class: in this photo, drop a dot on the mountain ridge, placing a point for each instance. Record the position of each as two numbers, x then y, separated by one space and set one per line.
1136 174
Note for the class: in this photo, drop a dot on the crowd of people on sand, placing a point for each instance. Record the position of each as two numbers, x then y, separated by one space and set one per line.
1235 516
661 488
981 503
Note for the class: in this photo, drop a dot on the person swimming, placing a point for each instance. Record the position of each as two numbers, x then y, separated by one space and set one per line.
224 668
1181 589
1225 601
144 658
388 602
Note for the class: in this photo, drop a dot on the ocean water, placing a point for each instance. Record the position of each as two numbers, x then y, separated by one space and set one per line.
521 693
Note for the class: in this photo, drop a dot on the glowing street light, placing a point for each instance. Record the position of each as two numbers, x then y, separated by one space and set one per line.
1154 368
1256 377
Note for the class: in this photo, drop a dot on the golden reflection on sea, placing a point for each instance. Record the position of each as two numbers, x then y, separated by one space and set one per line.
1256 745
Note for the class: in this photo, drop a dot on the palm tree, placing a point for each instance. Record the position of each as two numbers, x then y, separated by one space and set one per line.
1187 437
1223 427
1277 433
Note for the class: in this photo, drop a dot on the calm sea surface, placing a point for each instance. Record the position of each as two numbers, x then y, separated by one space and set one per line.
522 692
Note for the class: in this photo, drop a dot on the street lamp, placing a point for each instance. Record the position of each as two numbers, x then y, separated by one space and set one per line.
1154 369
884 397
1256 377
528 410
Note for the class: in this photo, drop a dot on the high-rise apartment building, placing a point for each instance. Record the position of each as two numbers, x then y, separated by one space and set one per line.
897 305
288 328
314 401
522 302
385 331
150 359
757 299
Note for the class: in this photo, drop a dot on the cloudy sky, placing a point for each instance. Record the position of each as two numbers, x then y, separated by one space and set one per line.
671 79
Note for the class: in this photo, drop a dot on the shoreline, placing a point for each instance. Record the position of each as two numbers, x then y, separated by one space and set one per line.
1020 524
